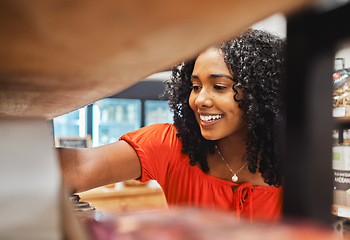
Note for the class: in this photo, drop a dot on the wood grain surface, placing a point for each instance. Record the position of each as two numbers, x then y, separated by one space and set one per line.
60 55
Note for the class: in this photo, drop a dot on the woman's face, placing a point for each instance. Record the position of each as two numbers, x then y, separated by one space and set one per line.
212 97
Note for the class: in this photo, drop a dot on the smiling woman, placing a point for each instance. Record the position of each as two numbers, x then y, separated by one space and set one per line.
255 61
212 97
221 152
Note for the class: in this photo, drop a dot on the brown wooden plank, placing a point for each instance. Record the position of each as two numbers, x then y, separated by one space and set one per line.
59 55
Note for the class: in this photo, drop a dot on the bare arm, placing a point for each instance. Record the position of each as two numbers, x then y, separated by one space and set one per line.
86 168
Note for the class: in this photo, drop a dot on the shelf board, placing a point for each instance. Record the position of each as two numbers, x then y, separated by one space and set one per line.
341 211
342 119
103 192
57 56
342 122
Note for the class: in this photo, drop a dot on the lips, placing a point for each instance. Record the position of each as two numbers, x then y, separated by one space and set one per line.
208 118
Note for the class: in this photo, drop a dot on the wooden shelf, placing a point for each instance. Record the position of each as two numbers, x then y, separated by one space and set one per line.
125 199
57 56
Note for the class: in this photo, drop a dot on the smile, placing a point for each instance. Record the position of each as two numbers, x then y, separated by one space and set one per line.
210 118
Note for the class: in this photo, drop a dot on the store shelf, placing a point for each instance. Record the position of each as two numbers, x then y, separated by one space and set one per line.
128 198
56 57
341 120
313 38
341 211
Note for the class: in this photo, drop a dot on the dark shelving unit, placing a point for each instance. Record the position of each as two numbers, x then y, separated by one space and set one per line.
313 37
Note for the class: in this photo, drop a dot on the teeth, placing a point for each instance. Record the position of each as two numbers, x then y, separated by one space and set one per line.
210 118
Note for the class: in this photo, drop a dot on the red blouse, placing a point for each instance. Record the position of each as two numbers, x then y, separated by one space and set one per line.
159 151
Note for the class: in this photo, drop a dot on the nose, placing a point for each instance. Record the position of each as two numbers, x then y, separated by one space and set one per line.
204 99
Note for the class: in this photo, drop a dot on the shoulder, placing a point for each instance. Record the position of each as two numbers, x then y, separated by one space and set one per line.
160 132
158 129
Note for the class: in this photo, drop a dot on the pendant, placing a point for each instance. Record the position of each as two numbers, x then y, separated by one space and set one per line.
234 178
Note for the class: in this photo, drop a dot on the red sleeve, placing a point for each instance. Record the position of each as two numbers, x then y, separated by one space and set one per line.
157 148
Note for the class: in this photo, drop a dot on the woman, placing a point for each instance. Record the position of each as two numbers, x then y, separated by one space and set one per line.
221 152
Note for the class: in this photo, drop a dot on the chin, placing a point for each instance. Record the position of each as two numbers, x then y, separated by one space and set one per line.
209 136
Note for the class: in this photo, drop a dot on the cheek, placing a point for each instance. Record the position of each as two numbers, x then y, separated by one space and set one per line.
239 119
240 111
234 110
191 102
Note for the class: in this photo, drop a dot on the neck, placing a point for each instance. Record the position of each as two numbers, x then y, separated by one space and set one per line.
233 148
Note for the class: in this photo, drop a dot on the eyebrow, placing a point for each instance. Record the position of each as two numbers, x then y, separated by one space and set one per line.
214 75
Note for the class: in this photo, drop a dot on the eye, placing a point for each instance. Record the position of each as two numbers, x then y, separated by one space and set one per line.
219 87
195 88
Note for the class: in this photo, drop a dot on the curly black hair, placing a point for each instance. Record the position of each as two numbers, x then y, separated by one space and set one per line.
256 60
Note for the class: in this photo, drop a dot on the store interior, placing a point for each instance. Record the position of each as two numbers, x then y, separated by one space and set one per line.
80 93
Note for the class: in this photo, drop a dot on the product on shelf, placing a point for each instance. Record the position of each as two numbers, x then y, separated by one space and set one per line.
341 93
341 169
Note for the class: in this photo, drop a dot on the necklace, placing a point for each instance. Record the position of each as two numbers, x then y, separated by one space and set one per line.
234 177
